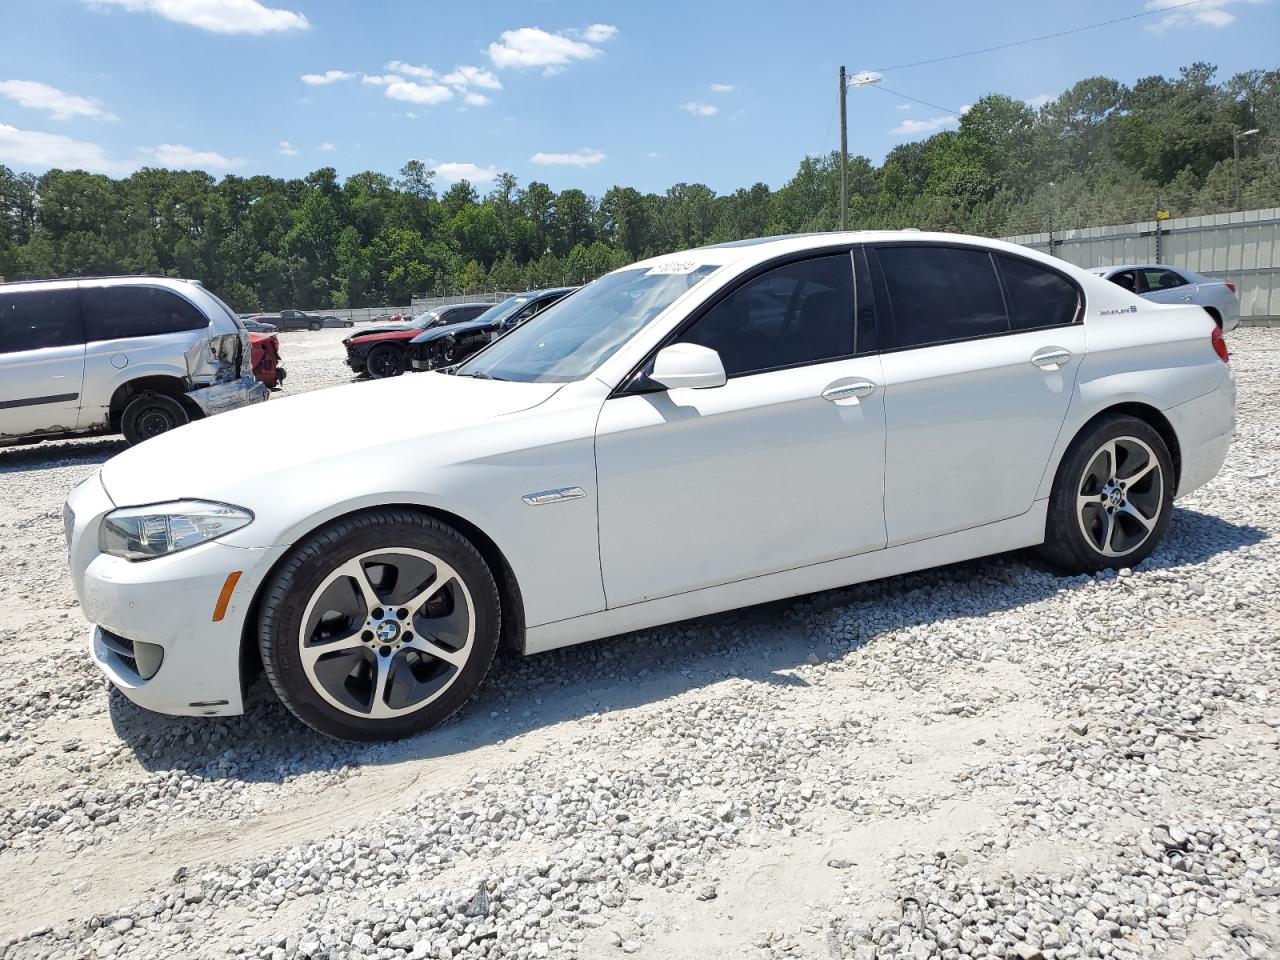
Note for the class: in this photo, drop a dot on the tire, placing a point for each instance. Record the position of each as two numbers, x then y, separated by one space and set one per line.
150 414
1101 516
350 689
385 360
349 323
315 325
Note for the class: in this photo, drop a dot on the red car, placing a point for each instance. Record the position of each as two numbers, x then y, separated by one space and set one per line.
382 351
266 360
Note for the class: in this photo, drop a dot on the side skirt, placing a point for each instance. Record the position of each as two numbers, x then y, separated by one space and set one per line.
1013 534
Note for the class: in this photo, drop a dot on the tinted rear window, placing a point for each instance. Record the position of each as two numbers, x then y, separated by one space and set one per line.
36 319
114 313
939 294
1037 297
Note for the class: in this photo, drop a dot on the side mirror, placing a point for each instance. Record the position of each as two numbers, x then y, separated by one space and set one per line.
688 365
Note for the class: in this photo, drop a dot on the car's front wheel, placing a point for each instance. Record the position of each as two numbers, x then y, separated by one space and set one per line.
379 626
1112 497
315 325
385 361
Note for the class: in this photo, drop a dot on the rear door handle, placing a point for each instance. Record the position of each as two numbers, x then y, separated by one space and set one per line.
1051 359
849 391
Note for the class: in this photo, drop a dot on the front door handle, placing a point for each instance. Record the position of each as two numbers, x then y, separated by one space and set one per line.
1051 359
849 391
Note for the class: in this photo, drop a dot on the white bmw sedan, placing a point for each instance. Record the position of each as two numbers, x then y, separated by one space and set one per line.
697 432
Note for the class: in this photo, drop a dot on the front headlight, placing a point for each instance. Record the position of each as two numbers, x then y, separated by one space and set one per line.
142 533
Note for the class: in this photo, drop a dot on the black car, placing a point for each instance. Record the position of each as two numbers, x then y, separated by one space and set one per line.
380 351
444 346
301 320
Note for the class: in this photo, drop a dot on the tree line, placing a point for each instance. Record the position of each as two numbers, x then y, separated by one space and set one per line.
1101 152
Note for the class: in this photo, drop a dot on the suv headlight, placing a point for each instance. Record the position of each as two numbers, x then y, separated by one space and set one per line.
142 533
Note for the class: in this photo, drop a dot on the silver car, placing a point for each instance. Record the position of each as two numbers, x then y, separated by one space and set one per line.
132 355
1164 284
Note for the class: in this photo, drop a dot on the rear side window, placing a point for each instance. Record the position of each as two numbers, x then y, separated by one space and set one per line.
1156 279
798 313
1037 297
115 313
37 319
1126 279
939 294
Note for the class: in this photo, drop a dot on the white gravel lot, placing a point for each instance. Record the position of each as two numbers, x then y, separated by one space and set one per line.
983 760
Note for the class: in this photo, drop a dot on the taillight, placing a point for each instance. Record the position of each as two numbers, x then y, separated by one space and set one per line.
1220 344
1231 287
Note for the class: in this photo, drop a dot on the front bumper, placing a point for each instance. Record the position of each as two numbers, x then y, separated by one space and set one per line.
153 632
357 362
222 397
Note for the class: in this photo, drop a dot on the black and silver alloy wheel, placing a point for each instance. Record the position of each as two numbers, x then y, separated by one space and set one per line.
387 632
380 625
1112 496
1120 496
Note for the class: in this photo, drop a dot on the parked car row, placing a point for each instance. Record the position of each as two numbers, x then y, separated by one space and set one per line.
1165 284
443 336
298 320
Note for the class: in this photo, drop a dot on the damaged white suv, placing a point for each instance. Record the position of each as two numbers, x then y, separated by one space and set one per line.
132 355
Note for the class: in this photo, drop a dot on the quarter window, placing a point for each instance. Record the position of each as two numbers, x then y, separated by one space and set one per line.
939 294
37 319
1157 279
1037 297
794 314
1126 279
115 313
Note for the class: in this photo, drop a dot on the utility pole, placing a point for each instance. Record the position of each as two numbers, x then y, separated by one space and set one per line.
1235 156
844 151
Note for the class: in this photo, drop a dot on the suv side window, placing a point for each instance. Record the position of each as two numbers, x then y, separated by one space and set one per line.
938 294
115 313
1157 279
795 314
36 319
1038 297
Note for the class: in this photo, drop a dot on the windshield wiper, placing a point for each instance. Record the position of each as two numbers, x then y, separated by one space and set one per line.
479 375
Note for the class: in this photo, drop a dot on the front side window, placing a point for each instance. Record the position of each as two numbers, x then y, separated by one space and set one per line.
38 319
572 337
795 314
116 313
1157 279
1038 297
940 294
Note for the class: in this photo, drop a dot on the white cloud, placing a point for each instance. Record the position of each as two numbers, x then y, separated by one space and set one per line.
599 33
902 106
532 47
31 148
326 147
216 16
409 70
326 78
653 154
411 115
1038 101
923 126
722 88
453 172
474 99
699 109
579 158
287 149
411 92
379 79
965 109
182 157
468 76
61 106
1206 13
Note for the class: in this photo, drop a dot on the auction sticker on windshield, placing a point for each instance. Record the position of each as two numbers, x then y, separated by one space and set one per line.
672 266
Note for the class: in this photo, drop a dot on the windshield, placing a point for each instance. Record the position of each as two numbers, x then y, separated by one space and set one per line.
424 320
570 339
501 310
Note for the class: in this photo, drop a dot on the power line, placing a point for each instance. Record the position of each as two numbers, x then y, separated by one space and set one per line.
1047 36
923 103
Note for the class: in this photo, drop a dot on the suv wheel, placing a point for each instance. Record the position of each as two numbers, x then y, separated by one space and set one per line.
1112 497
150 414
385 360
379 626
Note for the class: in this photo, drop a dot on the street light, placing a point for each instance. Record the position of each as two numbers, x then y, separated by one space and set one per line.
864 79
1235 155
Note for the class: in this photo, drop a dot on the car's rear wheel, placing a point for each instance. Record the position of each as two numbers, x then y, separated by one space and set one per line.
379 626
150 414
1112 497
385 360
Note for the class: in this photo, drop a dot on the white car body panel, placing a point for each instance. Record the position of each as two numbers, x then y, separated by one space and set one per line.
54 377
624 511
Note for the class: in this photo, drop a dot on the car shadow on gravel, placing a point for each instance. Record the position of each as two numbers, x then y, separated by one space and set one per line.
55 454
763 644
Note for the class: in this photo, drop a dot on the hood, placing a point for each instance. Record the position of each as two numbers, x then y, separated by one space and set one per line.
224 455
375 335
467 326
381 329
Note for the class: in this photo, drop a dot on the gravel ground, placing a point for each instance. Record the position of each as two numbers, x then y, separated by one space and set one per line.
983 760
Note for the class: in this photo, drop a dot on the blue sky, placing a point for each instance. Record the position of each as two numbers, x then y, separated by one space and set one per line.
572 93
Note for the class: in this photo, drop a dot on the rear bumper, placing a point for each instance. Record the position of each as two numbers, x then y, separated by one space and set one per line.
231 395
1205 427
